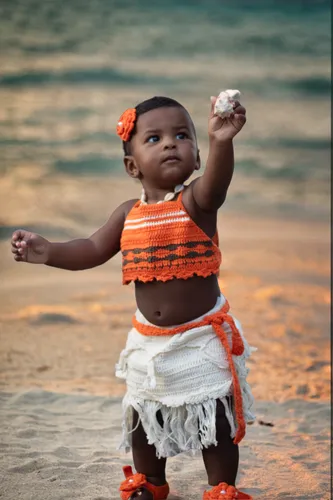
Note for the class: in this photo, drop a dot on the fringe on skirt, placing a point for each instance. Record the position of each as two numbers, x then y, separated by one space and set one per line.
174 382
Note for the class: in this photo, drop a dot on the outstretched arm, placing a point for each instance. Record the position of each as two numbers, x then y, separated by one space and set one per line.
210 190
76 254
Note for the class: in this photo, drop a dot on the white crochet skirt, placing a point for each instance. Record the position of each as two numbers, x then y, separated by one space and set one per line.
181 376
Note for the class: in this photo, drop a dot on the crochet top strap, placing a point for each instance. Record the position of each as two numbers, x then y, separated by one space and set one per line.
160 241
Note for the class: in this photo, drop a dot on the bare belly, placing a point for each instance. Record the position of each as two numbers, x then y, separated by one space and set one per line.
176 301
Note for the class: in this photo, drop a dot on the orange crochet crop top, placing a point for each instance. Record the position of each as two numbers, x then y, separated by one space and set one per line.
162 242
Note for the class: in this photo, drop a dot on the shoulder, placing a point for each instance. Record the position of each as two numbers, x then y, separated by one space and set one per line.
119 215
107 237
205 220
190 203
124 209
128 205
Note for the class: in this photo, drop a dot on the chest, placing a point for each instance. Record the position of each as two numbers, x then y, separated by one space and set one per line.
162 242
151 228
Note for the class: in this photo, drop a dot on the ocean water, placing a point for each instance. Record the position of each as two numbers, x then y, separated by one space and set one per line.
69 68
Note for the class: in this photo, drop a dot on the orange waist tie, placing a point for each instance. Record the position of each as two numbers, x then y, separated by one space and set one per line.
216 320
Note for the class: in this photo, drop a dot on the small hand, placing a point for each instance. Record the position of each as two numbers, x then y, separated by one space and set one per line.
30 247
224 129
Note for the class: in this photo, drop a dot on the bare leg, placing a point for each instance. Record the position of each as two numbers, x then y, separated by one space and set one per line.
221 461
146 461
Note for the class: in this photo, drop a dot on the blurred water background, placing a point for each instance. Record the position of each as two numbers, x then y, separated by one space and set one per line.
70 67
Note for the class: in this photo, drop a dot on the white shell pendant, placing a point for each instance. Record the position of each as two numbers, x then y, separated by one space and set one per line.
167 197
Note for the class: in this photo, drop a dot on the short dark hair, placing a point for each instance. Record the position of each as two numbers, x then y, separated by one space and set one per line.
148 105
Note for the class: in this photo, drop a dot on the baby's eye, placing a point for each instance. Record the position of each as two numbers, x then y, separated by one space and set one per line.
153 138
181 135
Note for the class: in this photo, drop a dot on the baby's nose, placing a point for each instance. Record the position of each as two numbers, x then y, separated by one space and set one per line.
169 143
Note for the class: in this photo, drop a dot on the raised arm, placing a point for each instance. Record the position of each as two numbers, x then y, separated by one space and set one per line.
74 255
210 190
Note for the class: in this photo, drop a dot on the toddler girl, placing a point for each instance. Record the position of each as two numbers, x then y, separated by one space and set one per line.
184 361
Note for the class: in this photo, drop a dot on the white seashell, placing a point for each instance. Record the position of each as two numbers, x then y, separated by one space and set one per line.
225 101
169 196
234 94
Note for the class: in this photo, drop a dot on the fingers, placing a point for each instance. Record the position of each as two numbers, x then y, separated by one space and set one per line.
20 237
19 246
18 234
19 258
239 109
19 255
240 118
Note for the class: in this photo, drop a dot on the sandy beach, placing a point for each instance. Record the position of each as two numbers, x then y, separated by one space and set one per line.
61 446
61 334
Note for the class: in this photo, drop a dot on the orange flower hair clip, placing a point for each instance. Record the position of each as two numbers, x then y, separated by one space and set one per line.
126 124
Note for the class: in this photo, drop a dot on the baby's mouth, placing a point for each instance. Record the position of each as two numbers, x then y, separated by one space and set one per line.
171 159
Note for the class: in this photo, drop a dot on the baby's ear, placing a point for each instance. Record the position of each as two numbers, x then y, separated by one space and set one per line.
198 161
131 167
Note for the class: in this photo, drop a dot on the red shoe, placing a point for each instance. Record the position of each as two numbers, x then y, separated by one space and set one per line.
225 492
138 482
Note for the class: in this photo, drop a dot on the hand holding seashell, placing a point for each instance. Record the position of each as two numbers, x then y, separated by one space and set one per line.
227 116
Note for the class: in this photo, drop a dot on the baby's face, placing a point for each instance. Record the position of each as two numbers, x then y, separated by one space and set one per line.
165 147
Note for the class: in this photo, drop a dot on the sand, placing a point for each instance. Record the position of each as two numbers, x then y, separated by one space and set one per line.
58 446
61 334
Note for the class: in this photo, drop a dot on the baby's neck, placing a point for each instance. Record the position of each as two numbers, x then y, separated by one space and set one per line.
153 195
